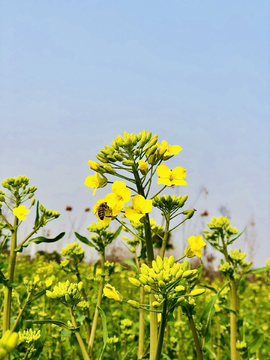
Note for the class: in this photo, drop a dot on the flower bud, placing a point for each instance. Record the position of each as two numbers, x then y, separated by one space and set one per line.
197 292
111 158
118 156
187 274
171 261
143 279
12 342
155 304
134 282
161 284
128 162
179 288
153 141
134 304
147 288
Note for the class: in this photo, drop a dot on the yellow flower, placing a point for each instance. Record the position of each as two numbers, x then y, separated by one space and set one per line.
140 207
171 177
94 182
20 212
110 292
195 245
93 165
168 150
143 167
120 195
99 208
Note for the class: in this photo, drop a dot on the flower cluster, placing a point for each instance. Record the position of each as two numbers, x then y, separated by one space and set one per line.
169 204
29 336
73 251
67 293
167 279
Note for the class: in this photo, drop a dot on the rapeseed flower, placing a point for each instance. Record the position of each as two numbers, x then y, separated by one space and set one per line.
140 207
110 292
143 167
93 165
120 195
195 245
171 177
20 212
94 182
168 150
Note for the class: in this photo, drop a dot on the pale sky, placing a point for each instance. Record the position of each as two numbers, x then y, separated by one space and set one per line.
75 74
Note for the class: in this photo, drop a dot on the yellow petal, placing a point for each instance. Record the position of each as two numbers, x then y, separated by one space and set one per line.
148 206
179 172
163 171
179 182
138 201
132 215
162 181
175 149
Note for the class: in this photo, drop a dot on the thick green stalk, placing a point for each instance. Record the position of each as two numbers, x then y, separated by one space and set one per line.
195 337
11 272
95 320
165 237
141 326
150 258
78 336
162 330
233 304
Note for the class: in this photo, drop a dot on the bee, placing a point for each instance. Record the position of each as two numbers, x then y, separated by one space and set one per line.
103 210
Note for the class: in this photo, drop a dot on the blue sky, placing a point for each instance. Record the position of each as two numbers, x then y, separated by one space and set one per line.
75 74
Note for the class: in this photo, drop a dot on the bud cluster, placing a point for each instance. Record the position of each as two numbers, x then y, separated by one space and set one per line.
8 343
29 336
241 346
126 330
73 251
169 204
220 227
167 279
67 293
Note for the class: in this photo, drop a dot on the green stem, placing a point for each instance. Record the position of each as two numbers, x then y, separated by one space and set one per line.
158 192
78 336
21 312
28 236
150 258
195 337
11 272
87 320
233 305
165 238
95 320
6 221
141 326
162 330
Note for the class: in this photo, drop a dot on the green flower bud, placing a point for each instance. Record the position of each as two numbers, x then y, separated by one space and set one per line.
134 282
119 140
187 274
149 135
153 159
180 288
128 162
143 279
2 198
197 292
147 288
137 152
155 304
179 274
3 353
181 299
134 304
33 202
12 342
101 158
118 156
153 141
114 145
111 158
109 169
171 261
161 284
151 150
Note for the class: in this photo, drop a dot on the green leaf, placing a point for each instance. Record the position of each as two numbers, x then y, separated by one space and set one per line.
209 311
256 271
256 344
116 234
37 215
39 240
132 264
55 322
84 240
209 288
37 295
104 330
